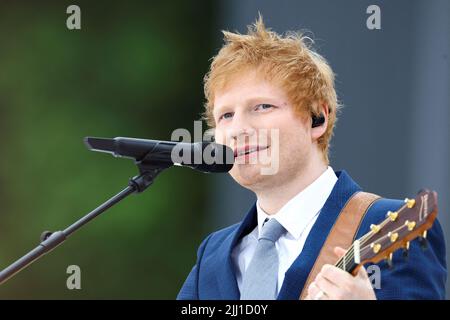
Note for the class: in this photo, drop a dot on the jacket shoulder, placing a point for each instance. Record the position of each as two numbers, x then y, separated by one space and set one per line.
217 237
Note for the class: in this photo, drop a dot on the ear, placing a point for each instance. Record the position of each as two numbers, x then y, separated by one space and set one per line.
318 131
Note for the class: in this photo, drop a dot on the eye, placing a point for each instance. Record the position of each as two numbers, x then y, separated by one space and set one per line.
226 116
264 106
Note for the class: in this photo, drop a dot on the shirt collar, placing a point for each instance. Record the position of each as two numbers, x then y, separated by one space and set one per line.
298 212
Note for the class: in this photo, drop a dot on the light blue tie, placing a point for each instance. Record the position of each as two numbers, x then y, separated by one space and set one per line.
260 279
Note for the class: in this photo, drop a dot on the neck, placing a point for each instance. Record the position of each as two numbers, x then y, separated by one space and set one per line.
347 261
274 198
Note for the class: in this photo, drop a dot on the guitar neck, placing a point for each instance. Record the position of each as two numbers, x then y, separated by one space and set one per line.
410 221
347 261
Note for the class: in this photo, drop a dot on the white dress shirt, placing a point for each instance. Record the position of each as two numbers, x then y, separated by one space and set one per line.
297 216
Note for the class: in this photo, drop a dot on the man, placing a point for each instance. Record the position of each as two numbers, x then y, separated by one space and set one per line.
272 99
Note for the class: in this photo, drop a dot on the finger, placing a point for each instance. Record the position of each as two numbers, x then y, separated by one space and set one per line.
313 290
335 275
315 293
339 252
332 291
362 273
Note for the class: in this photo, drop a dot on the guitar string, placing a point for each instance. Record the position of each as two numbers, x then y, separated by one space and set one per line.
349 255
350 252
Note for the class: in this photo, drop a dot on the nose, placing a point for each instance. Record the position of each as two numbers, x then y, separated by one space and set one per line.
240 128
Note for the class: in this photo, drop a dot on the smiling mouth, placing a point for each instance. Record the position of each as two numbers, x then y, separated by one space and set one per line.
247 151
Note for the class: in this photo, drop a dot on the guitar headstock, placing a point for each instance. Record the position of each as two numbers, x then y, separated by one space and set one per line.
410 221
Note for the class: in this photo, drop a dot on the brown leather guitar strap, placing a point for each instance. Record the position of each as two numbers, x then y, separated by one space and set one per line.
342 233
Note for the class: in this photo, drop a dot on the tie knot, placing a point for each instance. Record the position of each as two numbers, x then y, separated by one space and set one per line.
271 230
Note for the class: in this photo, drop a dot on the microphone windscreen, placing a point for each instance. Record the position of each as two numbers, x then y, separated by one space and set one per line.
100 144
217 158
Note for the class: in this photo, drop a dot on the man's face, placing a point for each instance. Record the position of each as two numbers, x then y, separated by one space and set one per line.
272 144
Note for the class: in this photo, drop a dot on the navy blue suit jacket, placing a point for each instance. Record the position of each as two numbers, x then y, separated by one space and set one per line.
422 276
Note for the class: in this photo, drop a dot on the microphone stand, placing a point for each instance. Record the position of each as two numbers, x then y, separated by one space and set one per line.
148 168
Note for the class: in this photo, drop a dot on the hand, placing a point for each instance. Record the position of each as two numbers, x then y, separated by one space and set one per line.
333 283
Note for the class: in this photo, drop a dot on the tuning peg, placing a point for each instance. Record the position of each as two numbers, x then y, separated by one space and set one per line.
405 254
393 215
375 228
405 251
410 202
410 224
423 243
389 262
375 247
393 236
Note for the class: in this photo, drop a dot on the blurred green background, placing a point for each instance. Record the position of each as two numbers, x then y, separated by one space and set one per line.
134 69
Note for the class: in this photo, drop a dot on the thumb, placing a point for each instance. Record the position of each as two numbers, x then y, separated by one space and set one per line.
339 252
362 273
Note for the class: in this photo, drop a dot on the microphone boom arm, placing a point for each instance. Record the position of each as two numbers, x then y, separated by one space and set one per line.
50 240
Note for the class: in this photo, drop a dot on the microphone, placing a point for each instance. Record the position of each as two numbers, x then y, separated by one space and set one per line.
206 157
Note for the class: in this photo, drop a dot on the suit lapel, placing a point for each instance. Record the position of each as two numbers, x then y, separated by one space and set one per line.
225 274
297 274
